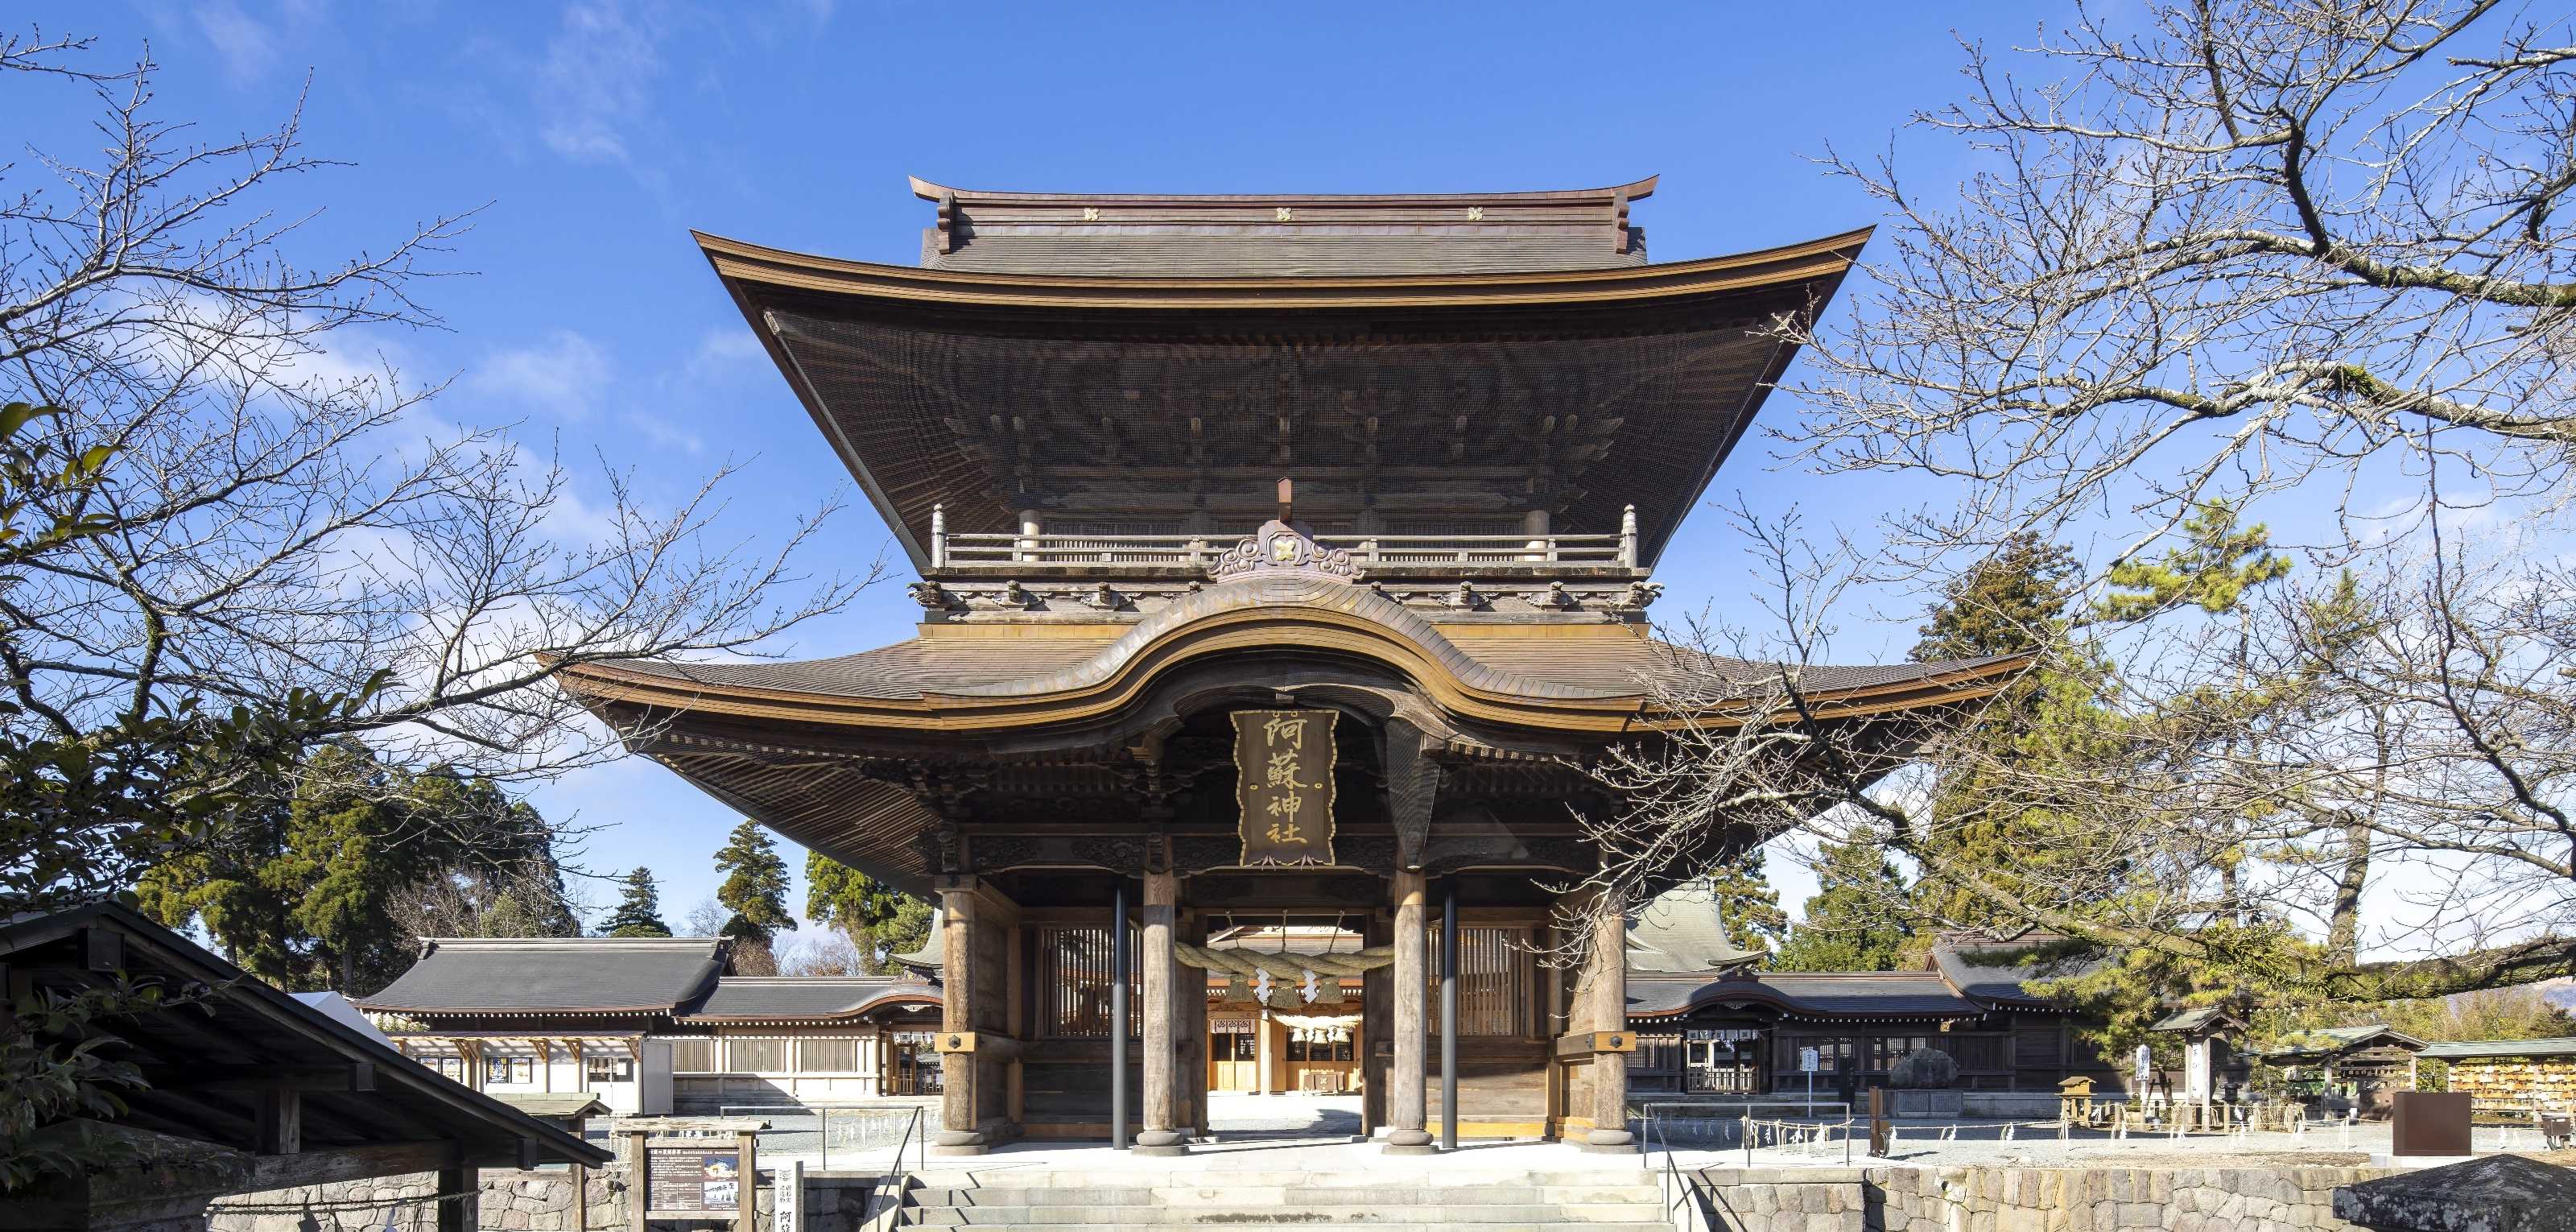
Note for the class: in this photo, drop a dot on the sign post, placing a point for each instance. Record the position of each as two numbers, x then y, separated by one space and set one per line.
1807 1062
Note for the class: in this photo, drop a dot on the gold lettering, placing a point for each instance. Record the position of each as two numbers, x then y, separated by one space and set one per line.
1283 772
1291 726
1285 833
1286 804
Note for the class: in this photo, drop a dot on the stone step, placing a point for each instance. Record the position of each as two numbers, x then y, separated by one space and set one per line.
1050 1214
1374 1226
1292 1195
1143 1178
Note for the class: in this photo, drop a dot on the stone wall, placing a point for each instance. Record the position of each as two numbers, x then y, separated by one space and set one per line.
2026 1199
511 1201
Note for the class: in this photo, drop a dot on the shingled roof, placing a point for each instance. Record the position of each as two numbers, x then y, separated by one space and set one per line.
599 975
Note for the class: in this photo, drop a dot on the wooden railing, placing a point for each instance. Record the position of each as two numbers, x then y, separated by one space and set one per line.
1000 552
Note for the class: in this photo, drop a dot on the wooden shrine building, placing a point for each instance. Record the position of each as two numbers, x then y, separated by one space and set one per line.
1283 561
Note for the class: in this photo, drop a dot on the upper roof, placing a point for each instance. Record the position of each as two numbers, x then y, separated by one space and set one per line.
1281 235
806 997
2199 1020
240 1024
1680 931
2468 1050
1141 398
597 975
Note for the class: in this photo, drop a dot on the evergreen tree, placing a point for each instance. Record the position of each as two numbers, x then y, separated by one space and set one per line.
879 919
1857 920
639 909
755 885
314 888
1747 904
2010 603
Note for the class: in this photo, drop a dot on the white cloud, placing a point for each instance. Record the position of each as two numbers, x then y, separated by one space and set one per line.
591 85
249 48
565 376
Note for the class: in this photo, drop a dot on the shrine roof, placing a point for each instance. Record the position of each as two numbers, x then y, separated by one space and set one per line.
924 666
1428 402
1281 234
474 975
1972 967
769 998
1881 994
2477 1050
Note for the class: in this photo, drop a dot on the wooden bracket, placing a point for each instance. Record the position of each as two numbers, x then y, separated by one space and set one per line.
1588 1043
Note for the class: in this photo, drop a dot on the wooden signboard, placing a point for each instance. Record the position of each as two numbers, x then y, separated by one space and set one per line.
1283 761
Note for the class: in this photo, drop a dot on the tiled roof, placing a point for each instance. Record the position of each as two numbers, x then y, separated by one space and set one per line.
806 996
2326 1041
2007 984
563 974
1818 994
2470 1050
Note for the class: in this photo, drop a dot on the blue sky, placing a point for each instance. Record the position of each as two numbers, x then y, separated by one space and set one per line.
592 136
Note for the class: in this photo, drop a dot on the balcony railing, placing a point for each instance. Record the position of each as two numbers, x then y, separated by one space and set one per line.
999 552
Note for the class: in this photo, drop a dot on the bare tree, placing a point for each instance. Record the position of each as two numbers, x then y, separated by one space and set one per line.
269 531
2214 253
2254 245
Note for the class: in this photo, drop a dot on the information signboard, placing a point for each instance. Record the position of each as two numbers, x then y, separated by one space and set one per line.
693 1179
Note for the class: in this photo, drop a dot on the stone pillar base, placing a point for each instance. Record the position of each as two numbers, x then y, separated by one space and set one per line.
1603 1148
1159 1152
1411 1148
977 1149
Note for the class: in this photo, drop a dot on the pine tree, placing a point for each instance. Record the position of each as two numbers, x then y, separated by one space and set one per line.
639 909
1857 920
755 885
878 918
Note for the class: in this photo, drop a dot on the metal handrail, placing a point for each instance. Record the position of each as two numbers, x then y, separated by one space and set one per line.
1674 1182
868 1208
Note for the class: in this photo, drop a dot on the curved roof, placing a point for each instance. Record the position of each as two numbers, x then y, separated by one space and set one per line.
765 998
1888 994
1590 684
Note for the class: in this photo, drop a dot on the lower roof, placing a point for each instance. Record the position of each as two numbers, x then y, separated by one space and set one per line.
241 1024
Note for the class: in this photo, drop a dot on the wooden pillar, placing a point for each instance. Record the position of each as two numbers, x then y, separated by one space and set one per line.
1607 980
1159 1136
462 1213
639 1180
1406 1102
746 1207
957 1120
1190 1031
1268 1052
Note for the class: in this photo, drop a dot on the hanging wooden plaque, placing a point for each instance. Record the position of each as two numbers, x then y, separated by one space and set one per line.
1283 762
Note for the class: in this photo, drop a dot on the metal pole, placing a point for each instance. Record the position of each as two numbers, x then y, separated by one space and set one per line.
1118 962
1449 1018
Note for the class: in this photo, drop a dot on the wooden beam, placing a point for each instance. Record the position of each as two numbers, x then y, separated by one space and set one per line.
355 1163
354 1076
1588 1043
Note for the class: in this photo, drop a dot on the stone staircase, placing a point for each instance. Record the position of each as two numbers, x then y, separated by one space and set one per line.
1383 1199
